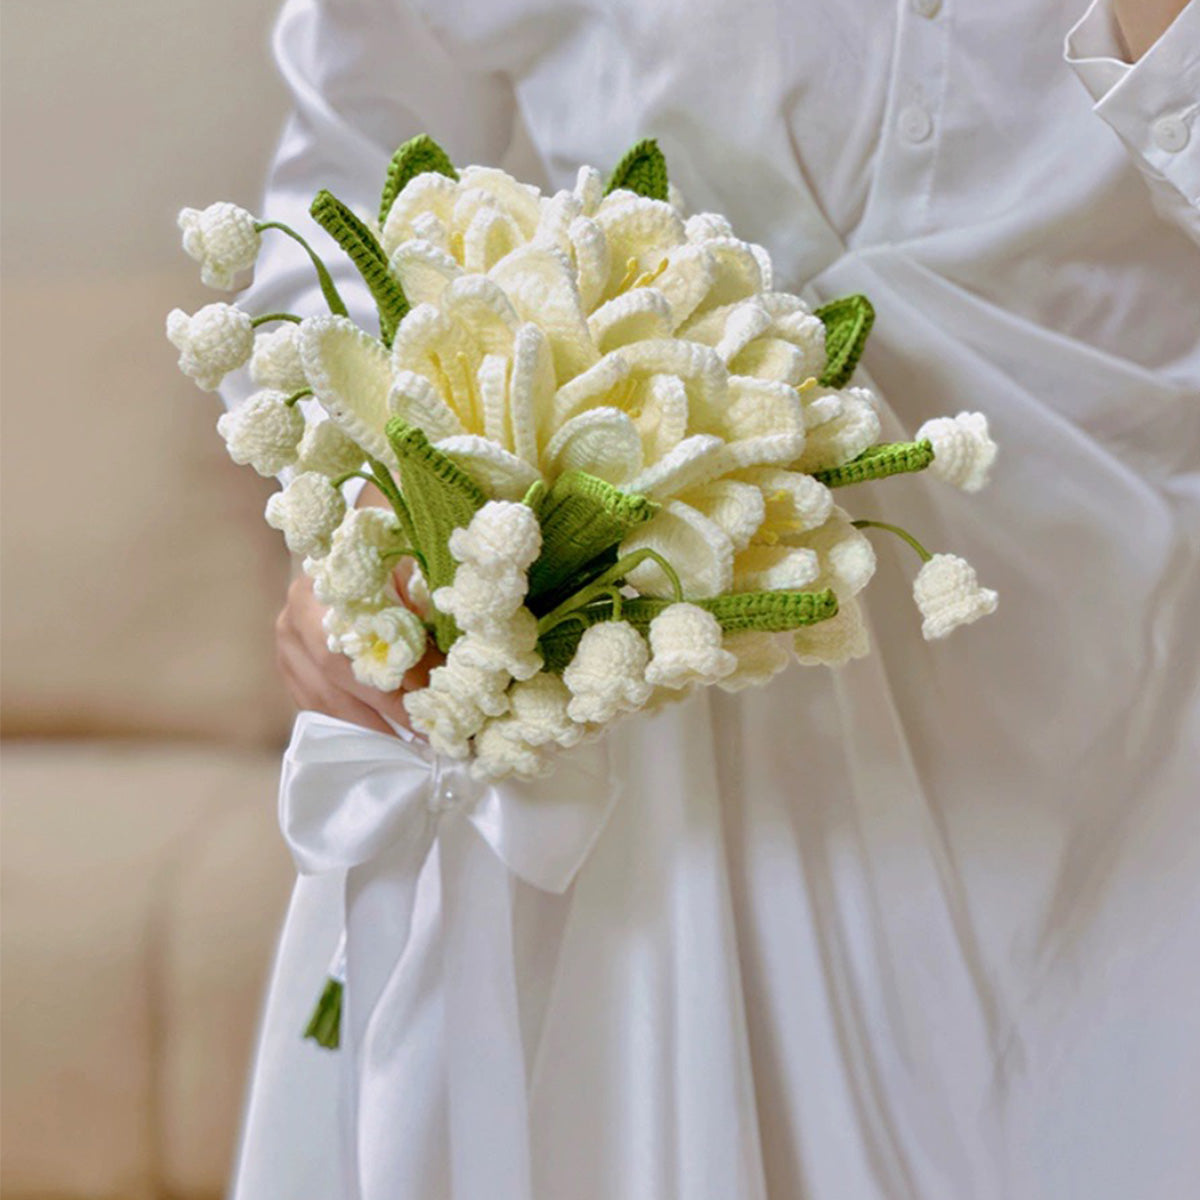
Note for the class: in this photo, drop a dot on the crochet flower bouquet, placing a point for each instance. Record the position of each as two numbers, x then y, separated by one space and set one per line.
608 443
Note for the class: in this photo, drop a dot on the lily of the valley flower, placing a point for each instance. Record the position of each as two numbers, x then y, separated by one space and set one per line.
275 362
963 449
686 648
384 645
501 534
948 594
501 750
538 707
356 573
263 432
307 512
223 238
212 341
608 673
324 448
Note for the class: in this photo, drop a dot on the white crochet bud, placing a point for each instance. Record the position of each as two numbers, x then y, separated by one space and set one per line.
223 239
608 673
686 647
480 597
385 645
760 657
963 449
357 572
275 362
948 595
447 719
833 642
503 533
485 687
539 711
509 645
263 431
307 512
213 341
327 450
501 751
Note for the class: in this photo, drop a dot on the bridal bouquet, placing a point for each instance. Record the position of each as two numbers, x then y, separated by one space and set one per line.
608 445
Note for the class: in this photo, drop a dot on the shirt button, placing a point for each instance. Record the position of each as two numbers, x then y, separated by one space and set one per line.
915 123
1171 134
926 8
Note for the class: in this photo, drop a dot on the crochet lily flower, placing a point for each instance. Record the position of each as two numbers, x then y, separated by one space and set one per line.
685 644
608 673
948 594
324 448
307 511
963 449
223 238
384 645
263 432
213 341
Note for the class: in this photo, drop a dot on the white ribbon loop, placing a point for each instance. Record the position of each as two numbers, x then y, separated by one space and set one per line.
371 804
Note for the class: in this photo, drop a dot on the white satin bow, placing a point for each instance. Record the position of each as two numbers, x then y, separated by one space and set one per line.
374 806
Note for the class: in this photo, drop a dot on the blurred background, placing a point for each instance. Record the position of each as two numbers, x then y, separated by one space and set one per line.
144 878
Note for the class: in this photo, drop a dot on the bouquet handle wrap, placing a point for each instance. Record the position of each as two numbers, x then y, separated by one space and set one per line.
375 807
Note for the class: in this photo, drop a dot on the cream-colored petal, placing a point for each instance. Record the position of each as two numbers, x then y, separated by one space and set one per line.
685 281
432 345
602 441
658 405
771 358
589 388
429 228
490 235
775 568
555 218
479 305
589 188
705 226
693 461
794 502
640 232
502 475
630 317
739 508
698 549
530 390
415 400
736 272
540 283
428 192
589 252
842 439
423 270
351 376
519 200
492 379
847 557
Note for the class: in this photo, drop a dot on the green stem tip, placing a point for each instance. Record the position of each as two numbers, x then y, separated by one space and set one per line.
901 533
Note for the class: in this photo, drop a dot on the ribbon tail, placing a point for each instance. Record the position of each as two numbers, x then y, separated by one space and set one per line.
488 1104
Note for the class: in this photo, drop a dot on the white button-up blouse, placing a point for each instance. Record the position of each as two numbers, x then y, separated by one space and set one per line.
926 928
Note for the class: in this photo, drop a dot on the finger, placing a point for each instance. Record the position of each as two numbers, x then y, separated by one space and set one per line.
314 691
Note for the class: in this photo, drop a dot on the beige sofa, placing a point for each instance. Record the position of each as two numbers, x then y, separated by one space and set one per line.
144 878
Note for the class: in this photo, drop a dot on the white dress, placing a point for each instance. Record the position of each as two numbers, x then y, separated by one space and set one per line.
927 928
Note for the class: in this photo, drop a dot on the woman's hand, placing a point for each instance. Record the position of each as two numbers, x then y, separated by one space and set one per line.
321 680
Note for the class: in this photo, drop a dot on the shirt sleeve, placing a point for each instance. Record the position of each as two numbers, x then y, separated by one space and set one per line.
1152 105
364 76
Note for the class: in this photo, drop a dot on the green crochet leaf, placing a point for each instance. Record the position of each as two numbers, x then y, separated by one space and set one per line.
738 612
417 156
367 254
848 322
441 497
582 518
642 169
878 462
325 1025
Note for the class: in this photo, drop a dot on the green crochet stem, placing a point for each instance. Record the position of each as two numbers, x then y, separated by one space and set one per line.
407 552
582 518
382 478
255 322
848 322
333 298
603 585
887 458
365 252
901 533
417 156
295 397
324 1026
441 497
738 612
642 169
337 483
